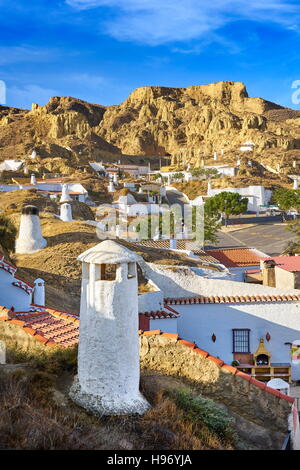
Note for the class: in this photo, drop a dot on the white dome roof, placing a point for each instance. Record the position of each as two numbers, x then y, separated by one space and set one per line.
108 251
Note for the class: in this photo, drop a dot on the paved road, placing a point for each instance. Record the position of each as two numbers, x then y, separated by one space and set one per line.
269 238
176 198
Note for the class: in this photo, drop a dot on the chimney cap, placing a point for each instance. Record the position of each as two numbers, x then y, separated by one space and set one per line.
30 210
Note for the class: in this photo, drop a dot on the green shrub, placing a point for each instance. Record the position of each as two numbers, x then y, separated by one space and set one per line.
200 409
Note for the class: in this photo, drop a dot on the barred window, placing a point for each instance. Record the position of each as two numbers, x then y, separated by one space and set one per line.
241 340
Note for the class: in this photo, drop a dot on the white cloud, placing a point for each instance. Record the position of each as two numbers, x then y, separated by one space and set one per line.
157 22
23 97
24 53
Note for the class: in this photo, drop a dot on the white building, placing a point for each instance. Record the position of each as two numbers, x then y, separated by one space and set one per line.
257 195
76 190
108 356
11 165
225 170
247 146
238 322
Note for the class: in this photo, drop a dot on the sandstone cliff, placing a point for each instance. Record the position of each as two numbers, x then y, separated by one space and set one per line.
185 123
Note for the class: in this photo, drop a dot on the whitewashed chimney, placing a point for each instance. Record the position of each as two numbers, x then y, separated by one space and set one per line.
2 352
108 356
209 188
294 163
173 244
111 188
39 292
215 156
66 212
65 196
116 178
30 237
33 155
33 179
296 183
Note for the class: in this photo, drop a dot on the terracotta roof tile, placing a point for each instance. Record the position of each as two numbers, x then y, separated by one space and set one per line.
187 343
237 257
288 263
152 332
202 352
232 299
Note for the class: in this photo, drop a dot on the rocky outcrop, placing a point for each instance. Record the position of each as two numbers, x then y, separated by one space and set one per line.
187 123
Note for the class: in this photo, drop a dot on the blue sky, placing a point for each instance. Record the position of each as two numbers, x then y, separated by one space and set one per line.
100 50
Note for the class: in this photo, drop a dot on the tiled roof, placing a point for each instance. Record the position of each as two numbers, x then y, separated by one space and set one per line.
168 312
165 244
288 263
224 367
237 257
226 299
50 327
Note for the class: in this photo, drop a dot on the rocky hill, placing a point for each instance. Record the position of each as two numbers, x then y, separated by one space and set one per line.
185 123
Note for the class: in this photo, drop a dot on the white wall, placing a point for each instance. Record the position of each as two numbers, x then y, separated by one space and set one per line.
167 325
183 282
259 195
281 320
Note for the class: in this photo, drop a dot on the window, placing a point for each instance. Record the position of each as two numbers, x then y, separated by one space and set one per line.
108 272
241 340
131 270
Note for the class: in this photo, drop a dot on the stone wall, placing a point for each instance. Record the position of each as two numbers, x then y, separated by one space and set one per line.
243 395
16 337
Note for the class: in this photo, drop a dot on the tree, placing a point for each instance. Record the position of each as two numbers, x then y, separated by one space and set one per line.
178 176
226 203
8 233
205 173
287 199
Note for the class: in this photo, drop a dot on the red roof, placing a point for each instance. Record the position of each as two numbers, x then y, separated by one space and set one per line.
288 263
232 299
237 257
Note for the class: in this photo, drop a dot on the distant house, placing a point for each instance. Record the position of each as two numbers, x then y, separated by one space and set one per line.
225 170
50 188
257 195
247 146
281 272
239 260
11 165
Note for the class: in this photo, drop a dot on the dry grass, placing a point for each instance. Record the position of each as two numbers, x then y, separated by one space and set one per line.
35 414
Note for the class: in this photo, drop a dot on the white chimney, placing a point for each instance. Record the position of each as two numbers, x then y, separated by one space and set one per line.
2 352
33 179
294 163
111 188
30 237
115 178
215 155
108 356
33 154
66 212
296 183
65 197
173 244
209 188
39 292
